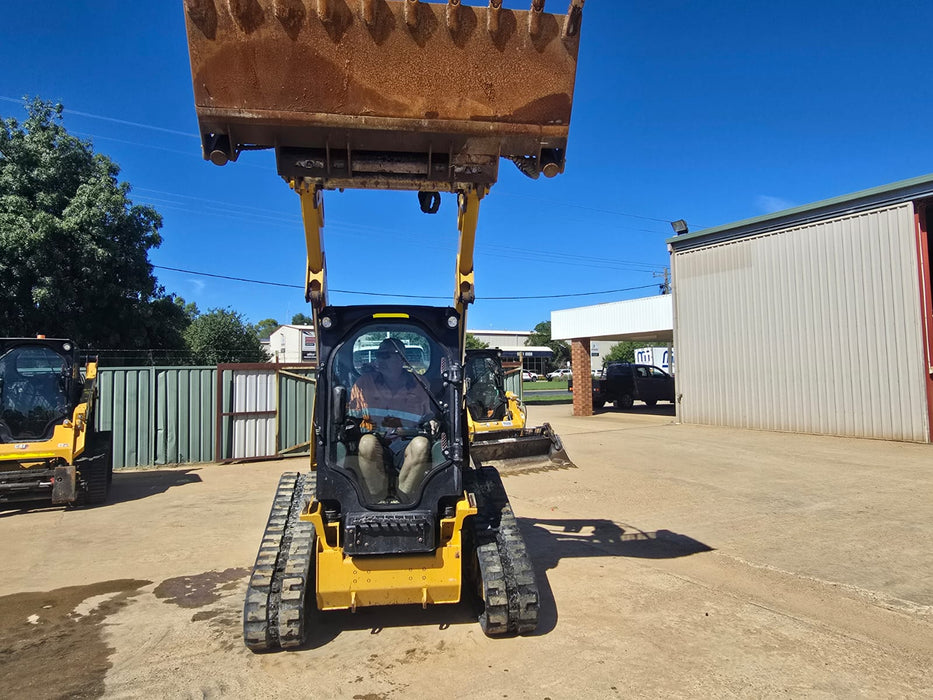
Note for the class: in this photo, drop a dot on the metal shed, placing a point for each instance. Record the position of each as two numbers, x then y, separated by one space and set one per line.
815 319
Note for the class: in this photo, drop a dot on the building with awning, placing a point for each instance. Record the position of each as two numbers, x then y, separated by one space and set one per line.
512 345
593 330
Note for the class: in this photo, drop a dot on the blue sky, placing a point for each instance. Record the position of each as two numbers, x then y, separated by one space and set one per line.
707 111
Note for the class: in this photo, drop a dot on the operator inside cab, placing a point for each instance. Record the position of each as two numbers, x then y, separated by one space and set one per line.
397 414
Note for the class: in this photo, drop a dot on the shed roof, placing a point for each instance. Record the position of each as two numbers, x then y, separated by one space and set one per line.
895 193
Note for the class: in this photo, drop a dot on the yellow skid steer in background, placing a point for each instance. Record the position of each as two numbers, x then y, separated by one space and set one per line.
497 421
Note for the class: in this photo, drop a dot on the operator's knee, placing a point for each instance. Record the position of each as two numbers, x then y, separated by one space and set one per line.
370 449
416 466
372 468
418 450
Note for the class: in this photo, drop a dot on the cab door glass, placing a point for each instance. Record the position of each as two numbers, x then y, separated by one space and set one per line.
33 391
387 396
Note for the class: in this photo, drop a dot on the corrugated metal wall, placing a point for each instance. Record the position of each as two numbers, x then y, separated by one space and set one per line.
254 402
125 407
296 391
168 415
158 415
813 329
185 414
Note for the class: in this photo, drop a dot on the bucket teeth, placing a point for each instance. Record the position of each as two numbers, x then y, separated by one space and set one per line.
411 13
453 15
247 14
324 10
368 12
492 16
534 17
291 13
572 20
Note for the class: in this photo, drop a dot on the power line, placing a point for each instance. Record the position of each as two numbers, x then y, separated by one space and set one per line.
116 121
267 217
177 132
401 296
228 277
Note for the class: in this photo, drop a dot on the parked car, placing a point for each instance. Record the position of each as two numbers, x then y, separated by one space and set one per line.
529 376
563 373
623 384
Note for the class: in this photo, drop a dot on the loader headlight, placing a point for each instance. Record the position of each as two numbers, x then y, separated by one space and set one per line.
327 322
452 321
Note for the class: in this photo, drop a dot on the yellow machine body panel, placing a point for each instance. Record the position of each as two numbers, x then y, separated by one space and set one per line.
514 419
347 582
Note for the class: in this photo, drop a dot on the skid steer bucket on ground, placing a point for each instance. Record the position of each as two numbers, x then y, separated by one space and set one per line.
520 451
385 94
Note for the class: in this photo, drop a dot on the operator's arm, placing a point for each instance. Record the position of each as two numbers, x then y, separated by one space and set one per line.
358 407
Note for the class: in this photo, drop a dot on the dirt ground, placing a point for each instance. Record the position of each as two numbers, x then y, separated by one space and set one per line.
674 561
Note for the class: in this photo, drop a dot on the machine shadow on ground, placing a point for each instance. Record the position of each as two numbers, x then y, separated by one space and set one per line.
127 486
135 485
324 627
549 541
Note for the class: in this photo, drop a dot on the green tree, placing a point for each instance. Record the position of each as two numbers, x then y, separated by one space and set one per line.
221 335
265 327
73 247
190 310
542 336
302 320
474 343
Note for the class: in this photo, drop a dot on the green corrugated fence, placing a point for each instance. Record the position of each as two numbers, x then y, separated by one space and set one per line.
168 415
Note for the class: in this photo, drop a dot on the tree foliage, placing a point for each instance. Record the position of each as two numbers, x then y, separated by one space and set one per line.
221 335
265 328
542 336
300 319
474 343
73 247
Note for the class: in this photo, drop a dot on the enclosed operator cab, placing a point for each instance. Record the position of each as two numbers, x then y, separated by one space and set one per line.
403 401
48 448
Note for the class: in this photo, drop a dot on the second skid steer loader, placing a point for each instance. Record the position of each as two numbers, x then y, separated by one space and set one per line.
497 421
49 449
406 95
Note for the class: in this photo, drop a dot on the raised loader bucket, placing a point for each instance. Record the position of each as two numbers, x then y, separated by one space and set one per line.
385 94
519 451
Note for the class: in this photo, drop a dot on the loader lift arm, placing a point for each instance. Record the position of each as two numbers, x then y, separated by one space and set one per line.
312 218
312 215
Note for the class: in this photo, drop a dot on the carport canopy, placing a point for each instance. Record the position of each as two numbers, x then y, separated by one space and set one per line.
648 319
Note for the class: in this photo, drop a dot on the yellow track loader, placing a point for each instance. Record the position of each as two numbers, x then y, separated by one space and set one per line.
497 421
404 95
48 447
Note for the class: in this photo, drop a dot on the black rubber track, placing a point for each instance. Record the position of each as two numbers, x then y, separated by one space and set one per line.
274 615
507 581
96 469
